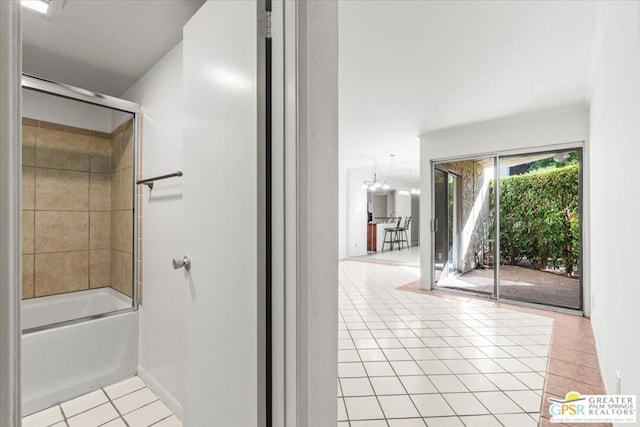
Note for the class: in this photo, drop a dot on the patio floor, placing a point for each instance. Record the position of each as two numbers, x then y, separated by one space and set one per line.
522 284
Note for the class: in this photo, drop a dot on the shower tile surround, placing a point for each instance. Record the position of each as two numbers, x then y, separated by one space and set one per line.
77 208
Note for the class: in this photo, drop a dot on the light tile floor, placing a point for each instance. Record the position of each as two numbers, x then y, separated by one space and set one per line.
127 403
407 256
409 359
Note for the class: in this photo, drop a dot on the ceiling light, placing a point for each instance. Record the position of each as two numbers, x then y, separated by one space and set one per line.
39 6
386 186
365 186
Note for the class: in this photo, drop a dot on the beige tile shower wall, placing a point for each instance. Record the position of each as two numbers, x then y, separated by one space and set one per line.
66 206
122 208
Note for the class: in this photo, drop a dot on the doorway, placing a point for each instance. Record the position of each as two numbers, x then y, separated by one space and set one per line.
463 224
509 226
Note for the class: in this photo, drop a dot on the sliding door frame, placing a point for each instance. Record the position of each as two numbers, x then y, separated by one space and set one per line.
496 156
496 249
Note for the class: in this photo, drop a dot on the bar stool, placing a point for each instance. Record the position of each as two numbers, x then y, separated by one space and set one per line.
393 233
403 230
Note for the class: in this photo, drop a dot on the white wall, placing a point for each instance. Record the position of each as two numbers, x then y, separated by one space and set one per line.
380 205
403 204
356 207
159 93
615 194
342 211
535 132
317 330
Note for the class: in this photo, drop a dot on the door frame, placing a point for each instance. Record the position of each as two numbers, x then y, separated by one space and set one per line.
304 193
10 216
455 211
497 155
436 226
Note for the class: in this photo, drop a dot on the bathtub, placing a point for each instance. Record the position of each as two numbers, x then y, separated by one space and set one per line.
74 358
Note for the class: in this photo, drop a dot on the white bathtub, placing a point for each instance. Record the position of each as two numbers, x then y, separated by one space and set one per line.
69 360
44 311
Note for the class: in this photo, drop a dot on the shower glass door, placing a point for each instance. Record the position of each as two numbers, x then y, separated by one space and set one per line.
78 234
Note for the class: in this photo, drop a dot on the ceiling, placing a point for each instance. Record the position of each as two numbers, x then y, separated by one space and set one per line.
405 67
411 67
103 45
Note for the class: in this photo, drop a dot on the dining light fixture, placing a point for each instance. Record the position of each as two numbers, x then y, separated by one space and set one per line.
374 184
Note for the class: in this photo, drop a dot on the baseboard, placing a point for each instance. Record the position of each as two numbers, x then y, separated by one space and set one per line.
166 397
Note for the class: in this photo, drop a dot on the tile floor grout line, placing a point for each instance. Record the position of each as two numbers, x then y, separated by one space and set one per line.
127 393
67 418
115 407
159 421
64 415
90 409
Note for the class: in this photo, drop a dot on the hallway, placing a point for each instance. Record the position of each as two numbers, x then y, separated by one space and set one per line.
409 359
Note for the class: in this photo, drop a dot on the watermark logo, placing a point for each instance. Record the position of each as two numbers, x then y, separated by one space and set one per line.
577 408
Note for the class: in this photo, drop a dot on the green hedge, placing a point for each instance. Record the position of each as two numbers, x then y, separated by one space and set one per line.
539 218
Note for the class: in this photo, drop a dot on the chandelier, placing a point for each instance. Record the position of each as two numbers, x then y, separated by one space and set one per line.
374 184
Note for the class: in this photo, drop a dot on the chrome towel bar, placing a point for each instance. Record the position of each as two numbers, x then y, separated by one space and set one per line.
149 181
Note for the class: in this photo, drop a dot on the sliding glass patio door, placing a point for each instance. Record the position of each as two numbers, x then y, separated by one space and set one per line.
533 200
540 229
464 225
